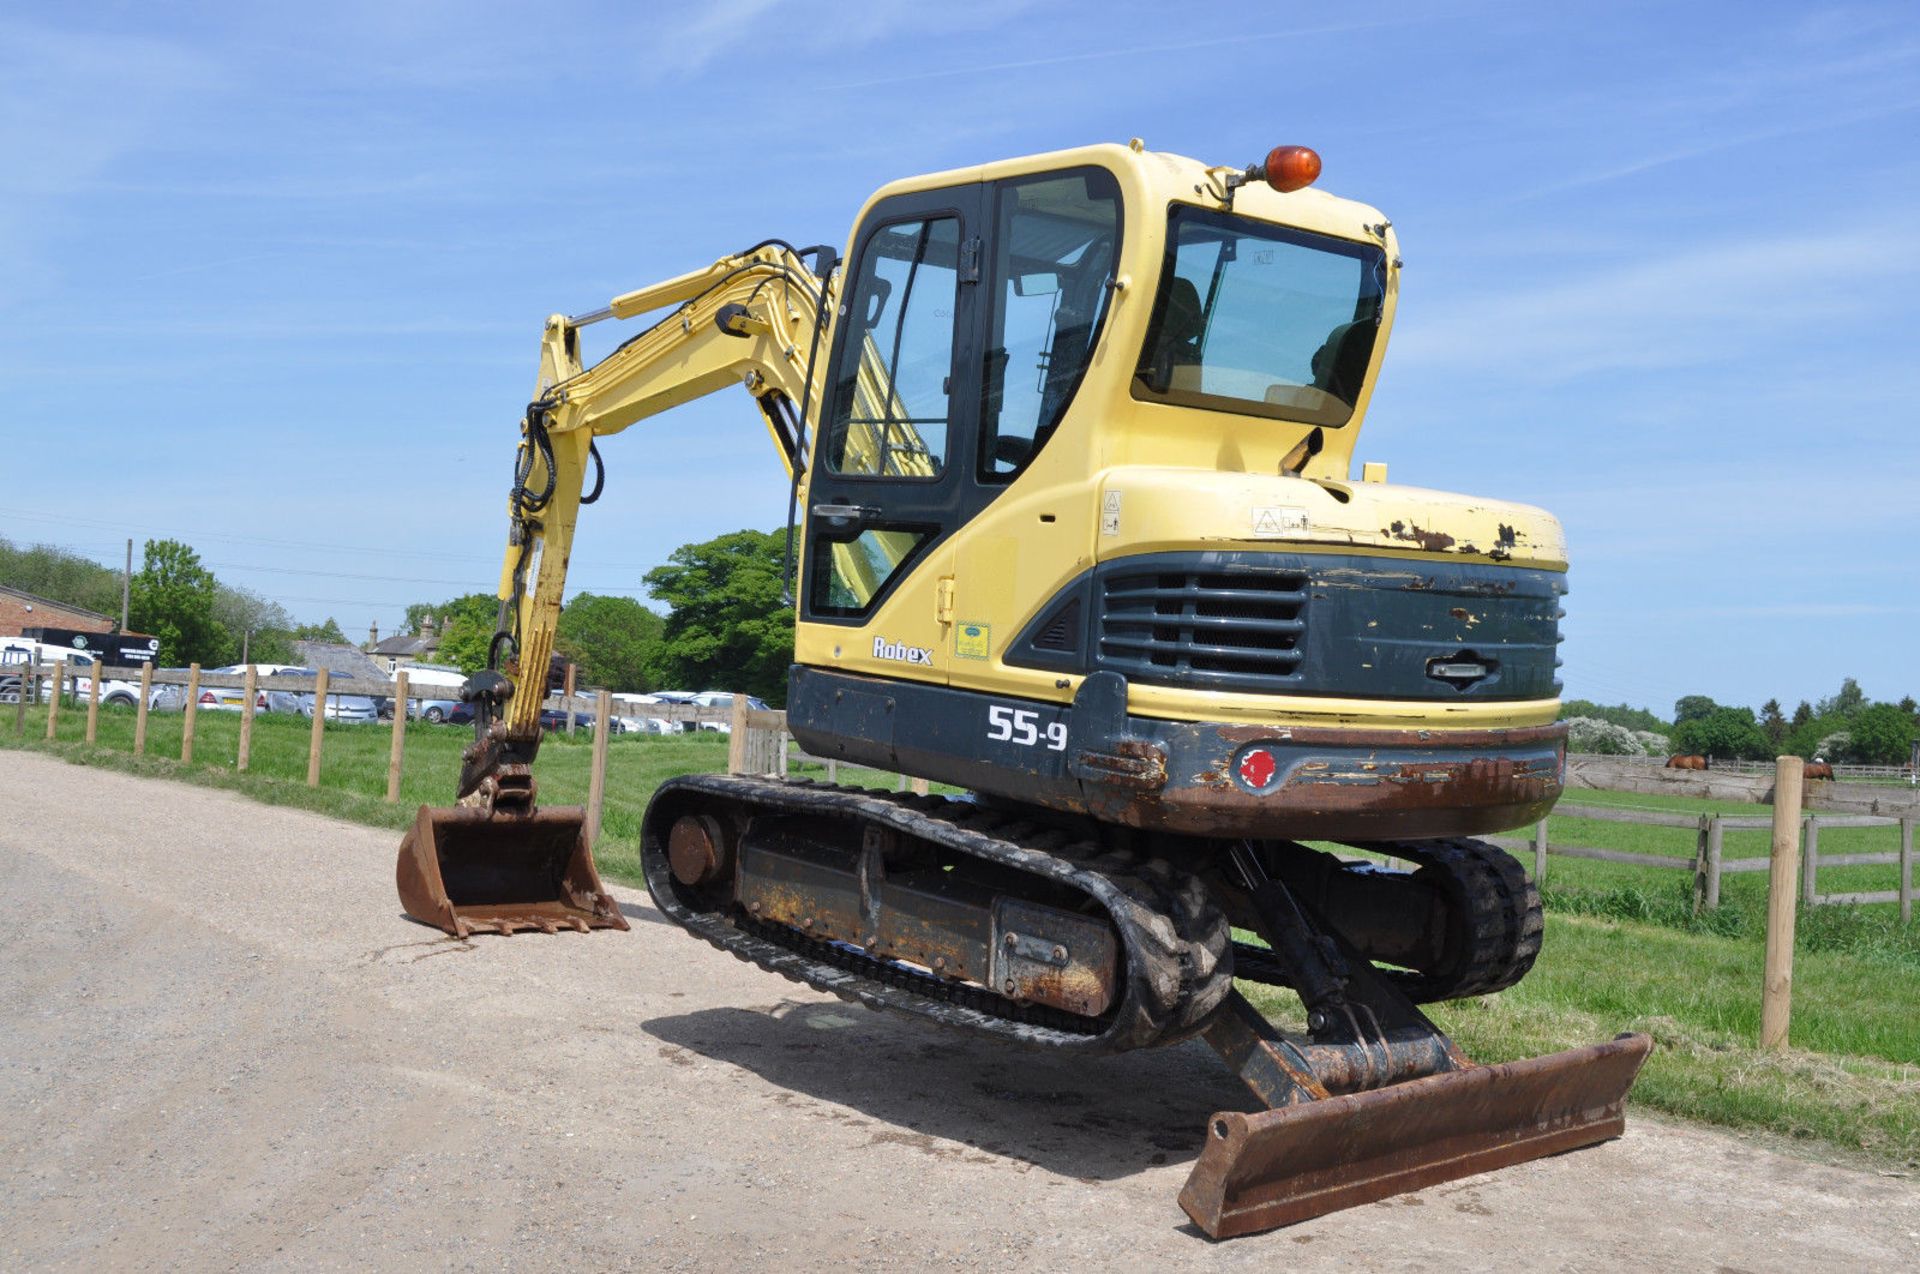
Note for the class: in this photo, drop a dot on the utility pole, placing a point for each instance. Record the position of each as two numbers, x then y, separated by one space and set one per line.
126 586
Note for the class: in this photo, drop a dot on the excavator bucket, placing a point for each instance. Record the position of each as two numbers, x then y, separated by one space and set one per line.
1273 1168
467 870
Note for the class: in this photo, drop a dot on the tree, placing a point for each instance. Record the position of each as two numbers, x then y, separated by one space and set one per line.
467 625
1725 732
60 576
1773 723
1850 700
1594 737
173 599
256 629
328 631
1619 714
1693 708
1883 735
1813 737
611 639
728 627
1802 714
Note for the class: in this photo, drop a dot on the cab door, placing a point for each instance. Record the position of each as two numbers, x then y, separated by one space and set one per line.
892 465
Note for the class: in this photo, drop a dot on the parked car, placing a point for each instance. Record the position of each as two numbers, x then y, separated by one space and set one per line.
721 699
644 725
437 710
552 719
343 707
233 698
116 693
283 697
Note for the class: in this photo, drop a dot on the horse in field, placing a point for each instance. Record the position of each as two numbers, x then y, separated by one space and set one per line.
1678 762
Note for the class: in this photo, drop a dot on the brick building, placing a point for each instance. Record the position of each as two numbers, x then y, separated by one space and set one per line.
20 611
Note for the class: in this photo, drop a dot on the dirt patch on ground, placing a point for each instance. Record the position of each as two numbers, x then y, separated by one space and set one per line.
225 1046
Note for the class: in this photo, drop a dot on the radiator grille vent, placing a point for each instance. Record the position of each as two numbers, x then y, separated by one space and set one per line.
1220 629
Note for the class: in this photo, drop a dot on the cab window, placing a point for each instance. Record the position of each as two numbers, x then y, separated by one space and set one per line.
892 399
1055 240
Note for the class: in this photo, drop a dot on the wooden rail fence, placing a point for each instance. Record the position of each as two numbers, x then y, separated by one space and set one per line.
1708 863
758 744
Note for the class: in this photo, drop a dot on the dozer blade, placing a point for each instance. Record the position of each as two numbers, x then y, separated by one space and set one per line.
1279 1166
465 870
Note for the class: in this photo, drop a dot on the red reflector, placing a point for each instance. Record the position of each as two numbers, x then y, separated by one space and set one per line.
1291 168
206 696
1257 767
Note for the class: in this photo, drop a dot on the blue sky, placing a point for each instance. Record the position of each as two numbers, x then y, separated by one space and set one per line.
284 270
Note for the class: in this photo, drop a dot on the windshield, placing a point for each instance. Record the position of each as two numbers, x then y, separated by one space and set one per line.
1261 320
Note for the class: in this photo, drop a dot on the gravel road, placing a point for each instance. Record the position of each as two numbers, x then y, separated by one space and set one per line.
225 1047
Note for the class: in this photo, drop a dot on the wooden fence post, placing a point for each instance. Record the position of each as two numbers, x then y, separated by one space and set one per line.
1906 870
597 776
920 787
737 740
398 750
1776 996
192 710
568 695
53 703
246 720
140 711
20 703
93 706
319 727
1700 863
1715 844
1810 864
1540 853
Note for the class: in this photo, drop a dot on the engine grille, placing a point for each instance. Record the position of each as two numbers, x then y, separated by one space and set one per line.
1238 628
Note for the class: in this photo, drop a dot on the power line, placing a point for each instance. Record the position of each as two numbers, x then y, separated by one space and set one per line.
140 529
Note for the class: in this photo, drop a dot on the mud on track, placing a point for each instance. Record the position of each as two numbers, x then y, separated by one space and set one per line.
224 1046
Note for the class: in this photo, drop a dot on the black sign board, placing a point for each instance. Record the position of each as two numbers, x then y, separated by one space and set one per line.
113 649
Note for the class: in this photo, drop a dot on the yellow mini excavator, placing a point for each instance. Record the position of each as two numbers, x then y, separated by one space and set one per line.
1070 439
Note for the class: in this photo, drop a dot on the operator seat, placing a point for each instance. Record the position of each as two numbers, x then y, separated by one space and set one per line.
1176 356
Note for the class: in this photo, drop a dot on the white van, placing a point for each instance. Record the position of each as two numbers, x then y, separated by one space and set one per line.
18 650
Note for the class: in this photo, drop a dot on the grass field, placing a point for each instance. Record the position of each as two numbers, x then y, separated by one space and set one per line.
1623 950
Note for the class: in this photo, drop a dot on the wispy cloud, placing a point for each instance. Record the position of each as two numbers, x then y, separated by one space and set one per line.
681 44
1718 144
1688 308
1098 55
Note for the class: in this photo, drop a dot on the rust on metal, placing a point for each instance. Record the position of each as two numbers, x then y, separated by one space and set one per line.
1352 797
469 869
946 922
1431 541
1304 1160
698 849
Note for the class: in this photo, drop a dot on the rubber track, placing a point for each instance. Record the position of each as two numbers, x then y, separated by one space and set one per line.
1495 944
1179 952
